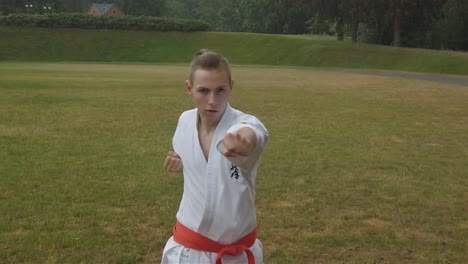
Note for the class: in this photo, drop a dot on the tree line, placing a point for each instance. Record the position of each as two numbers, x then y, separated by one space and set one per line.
437 24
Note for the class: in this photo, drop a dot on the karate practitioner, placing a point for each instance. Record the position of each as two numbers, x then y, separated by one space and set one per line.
218 149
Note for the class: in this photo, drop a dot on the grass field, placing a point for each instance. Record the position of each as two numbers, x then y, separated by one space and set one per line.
44 44
359 169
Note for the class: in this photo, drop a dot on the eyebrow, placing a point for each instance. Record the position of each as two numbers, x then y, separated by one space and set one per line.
203 87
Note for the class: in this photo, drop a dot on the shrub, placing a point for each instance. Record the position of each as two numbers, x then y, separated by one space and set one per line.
70 20
320 26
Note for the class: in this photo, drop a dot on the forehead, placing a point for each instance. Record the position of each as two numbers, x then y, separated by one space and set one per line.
215 77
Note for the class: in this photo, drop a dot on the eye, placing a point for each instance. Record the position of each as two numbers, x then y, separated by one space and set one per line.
221 90
203 91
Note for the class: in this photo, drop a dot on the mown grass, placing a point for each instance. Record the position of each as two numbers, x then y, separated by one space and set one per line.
359 169
42 44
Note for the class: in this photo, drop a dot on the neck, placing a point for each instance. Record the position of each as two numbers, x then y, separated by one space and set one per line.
205 126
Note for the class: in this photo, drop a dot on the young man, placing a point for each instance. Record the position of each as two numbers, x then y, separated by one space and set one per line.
218 149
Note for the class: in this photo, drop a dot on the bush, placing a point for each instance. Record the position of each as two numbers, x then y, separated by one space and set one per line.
69 20
320 26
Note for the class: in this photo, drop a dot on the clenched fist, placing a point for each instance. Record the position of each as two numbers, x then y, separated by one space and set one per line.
241 143
173 163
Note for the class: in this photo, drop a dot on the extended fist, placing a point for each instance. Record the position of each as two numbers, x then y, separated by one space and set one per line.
238 144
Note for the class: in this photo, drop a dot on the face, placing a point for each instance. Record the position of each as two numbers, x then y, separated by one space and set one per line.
210 91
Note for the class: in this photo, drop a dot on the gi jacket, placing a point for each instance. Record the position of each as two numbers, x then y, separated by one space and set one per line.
218 201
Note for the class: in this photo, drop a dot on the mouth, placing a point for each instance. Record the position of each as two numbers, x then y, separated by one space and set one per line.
212 112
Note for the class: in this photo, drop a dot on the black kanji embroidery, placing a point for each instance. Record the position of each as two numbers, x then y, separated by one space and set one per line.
234 172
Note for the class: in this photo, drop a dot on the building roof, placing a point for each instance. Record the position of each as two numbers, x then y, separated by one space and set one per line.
103 8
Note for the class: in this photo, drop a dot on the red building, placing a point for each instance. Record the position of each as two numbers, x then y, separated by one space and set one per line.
97 9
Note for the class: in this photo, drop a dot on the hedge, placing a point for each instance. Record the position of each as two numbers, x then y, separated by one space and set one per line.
71 20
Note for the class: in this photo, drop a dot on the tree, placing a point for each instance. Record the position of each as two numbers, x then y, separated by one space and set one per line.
12 6
30 6
179 9
75 6
143 7
452 28
401 22
410 18
356 12
345 13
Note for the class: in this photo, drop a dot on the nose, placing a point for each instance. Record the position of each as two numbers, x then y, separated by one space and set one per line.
212 98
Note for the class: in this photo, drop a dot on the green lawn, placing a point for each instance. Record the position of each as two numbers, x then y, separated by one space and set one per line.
358 169
45 44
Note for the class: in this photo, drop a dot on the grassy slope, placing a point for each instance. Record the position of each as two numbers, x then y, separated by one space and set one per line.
40 44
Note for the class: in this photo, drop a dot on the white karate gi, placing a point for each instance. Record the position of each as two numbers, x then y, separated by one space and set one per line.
219 196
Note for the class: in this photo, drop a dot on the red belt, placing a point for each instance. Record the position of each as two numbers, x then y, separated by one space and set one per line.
191 239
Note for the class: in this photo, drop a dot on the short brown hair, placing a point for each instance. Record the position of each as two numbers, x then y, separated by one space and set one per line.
209 60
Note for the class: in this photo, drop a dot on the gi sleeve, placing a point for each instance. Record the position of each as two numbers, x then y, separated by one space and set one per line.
178 138
250 162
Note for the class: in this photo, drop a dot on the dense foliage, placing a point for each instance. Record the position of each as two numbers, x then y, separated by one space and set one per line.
90 22
439 24
412 23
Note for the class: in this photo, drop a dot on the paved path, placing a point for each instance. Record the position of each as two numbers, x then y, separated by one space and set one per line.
440 78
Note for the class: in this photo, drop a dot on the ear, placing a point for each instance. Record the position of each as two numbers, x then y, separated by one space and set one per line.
188 86
232 84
